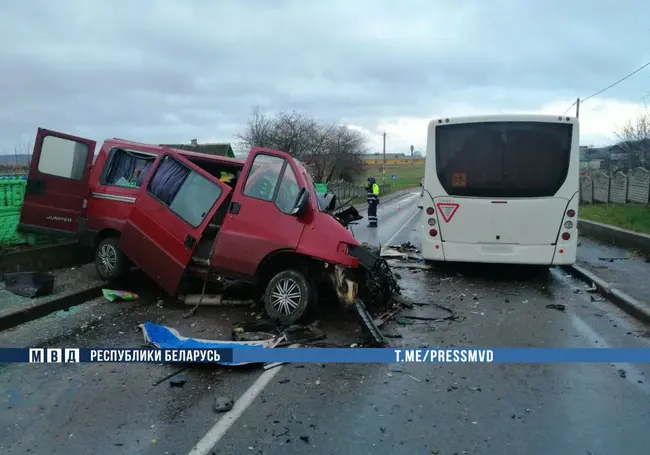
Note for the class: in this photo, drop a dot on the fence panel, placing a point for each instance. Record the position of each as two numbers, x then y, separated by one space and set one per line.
601 187
638 185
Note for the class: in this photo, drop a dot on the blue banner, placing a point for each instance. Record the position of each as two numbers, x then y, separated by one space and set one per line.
326 355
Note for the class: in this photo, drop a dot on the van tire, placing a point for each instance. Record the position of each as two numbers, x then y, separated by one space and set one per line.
299 296
110 262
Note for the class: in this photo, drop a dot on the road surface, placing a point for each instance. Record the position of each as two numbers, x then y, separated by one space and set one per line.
344 409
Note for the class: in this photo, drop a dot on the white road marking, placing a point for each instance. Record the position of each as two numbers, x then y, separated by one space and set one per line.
214 435
633 374
206 445
399 231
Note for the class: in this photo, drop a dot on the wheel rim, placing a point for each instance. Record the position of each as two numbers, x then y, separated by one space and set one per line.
107 258
286 296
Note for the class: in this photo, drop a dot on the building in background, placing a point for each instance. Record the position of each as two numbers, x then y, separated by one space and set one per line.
392 159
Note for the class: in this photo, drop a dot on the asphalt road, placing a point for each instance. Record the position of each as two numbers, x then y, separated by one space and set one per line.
345 409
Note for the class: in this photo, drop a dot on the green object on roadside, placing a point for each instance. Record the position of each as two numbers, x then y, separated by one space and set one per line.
12 192
321 188
113 295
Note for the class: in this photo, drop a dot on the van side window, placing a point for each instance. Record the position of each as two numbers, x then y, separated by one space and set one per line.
288 191
187 193
127 169
63 158
263 177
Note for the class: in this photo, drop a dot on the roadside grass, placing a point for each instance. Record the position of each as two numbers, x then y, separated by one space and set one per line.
634 217
407 176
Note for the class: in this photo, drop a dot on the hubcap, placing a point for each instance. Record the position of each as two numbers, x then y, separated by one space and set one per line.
285 296
108 258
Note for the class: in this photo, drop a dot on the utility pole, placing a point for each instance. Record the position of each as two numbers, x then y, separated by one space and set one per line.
383 167
578 108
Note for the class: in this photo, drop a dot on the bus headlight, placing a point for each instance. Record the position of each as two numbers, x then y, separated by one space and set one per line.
432 221
568 224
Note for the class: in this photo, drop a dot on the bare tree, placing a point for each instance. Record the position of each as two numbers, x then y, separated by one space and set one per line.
331 151
634 139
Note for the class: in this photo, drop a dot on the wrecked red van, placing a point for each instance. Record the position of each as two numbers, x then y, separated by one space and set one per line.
176 214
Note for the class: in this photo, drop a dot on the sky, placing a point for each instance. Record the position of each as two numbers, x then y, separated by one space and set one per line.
172 70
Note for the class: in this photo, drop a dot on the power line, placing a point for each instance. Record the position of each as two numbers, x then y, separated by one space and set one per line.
574 103
609 86
617 82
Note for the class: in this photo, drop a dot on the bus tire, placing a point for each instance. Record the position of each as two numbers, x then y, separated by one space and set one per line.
110 262
289 297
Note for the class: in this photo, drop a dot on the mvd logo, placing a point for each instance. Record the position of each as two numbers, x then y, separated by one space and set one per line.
54 355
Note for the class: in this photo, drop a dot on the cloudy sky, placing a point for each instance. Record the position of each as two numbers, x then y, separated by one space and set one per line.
172 70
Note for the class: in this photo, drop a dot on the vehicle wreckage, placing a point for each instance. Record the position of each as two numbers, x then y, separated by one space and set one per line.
179 214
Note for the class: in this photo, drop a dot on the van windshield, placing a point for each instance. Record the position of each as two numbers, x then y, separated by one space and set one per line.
503 159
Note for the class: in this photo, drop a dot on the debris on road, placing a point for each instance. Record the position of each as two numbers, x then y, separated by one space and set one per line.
302 334
404 301
164 337
214 300
591 288
29 284
387 316
556 306
409 265
178 381
621 373
222 404
404 251
251 336
170 375
377 336
406 247
427 312
113 295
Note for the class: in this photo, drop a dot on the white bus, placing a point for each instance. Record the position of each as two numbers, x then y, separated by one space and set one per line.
501 189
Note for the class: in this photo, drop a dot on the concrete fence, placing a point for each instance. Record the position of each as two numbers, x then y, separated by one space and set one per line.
618 188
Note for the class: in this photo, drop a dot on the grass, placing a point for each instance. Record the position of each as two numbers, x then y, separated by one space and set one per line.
634 217
407 176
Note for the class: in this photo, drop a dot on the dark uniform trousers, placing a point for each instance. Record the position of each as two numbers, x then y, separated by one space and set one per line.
373 202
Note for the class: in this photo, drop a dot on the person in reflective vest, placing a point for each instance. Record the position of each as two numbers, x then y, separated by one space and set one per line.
372 194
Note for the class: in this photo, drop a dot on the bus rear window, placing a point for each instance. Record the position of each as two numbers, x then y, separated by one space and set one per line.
503 159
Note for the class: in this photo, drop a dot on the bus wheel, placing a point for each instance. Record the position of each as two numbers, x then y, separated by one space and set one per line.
288 297
110 262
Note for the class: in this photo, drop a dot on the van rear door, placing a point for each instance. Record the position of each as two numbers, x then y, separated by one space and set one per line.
57 186
174 206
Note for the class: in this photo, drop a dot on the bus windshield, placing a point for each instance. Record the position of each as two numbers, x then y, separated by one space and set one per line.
503 159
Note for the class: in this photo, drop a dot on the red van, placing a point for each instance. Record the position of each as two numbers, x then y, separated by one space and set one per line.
171 213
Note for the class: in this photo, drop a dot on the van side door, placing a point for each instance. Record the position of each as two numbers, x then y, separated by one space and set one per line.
56 194
174 206
259 219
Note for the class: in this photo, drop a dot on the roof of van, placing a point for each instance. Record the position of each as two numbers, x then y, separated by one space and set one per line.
154 148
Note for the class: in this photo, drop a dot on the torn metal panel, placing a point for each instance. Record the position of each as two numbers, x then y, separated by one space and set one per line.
373 330
164 337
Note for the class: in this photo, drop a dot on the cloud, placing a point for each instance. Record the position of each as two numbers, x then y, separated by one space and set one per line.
173 70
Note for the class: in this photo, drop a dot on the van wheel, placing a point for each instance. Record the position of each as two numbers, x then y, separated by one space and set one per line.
110 262
288 297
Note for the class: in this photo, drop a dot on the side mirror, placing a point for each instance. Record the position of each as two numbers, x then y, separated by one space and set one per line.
332 203
301 205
